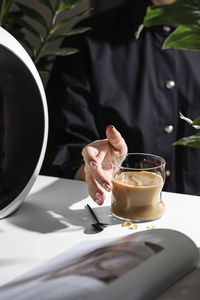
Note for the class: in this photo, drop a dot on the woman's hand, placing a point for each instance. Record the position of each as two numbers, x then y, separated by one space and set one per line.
98 163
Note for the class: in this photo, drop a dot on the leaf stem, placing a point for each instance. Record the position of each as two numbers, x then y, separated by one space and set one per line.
48 34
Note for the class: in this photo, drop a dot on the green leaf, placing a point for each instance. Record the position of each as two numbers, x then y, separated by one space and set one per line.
8 6
195 123
30 28
184 37
74 31
5 7
62 23
190 141
67 21
10 22
34 52
68 4
27 44
189 121
185 12
138 32
32 13
59 52
48 4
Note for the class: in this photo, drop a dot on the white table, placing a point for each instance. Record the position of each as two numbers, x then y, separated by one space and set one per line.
54 218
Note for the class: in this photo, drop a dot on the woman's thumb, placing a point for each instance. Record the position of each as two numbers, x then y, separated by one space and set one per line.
115 139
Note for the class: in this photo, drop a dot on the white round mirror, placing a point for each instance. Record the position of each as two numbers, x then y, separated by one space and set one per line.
23 123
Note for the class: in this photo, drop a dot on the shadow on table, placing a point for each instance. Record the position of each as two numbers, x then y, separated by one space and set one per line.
49 210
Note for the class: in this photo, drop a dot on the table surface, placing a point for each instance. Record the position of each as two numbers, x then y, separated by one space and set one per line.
54 217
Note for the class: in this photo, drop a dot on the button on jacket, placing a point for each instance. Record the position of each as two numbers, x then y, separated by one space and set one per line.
132 84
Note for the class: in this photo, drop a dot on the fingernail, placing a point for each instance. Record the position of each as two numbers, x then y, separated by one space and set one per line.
93 164
106 187
110 126
98 202
99 197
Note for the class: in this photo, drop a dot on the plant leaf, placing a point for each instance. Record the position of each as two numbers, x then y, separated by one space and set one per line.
59 52
189 121
195 123
10 22
184 37
32 13
74 31
185 12
68 4
190 141
48 4
30 28
67 21
62 23
27 44
138 32
8 6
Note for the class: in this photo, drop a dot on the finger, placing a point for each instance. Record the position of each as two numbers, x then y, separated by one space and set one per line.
90 151
116 140
95 168
88 154
94 189
97 172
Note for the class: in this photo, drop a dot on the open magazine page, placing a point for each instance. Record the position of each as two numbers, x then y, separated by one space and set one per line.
186 288
139 266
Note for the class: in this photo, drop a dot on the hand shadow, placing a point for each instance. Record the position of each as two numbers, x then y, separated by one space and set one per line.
49 210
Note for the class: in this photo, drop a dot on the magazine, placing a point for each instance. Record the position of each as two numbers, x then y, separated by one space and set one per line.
184 289
141 265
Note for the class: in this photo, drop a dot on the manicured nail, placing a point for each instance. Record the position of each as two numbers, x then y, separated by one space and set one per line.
110 126
93 164
98 202
99 197
106 187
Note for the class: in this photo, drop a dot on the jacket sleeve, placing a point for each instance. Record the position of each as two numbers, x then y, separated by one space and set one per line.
71 112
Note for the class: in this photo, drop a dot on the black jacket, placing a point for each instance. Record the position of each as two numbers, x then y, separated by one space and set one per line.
132 84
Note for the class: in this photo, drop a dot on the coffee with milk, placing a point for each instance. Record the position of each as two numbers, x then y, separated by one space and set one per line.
137 196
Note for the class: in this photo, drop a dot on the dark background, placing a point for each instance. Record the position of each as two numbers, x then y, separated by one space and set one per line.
97 5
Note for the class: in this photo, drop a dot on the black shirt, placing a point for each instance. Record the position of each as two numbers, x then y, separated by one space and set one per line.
132 84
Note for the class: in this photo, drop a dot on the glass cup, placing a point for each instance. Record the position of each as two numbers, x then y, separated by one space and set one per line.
138 179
